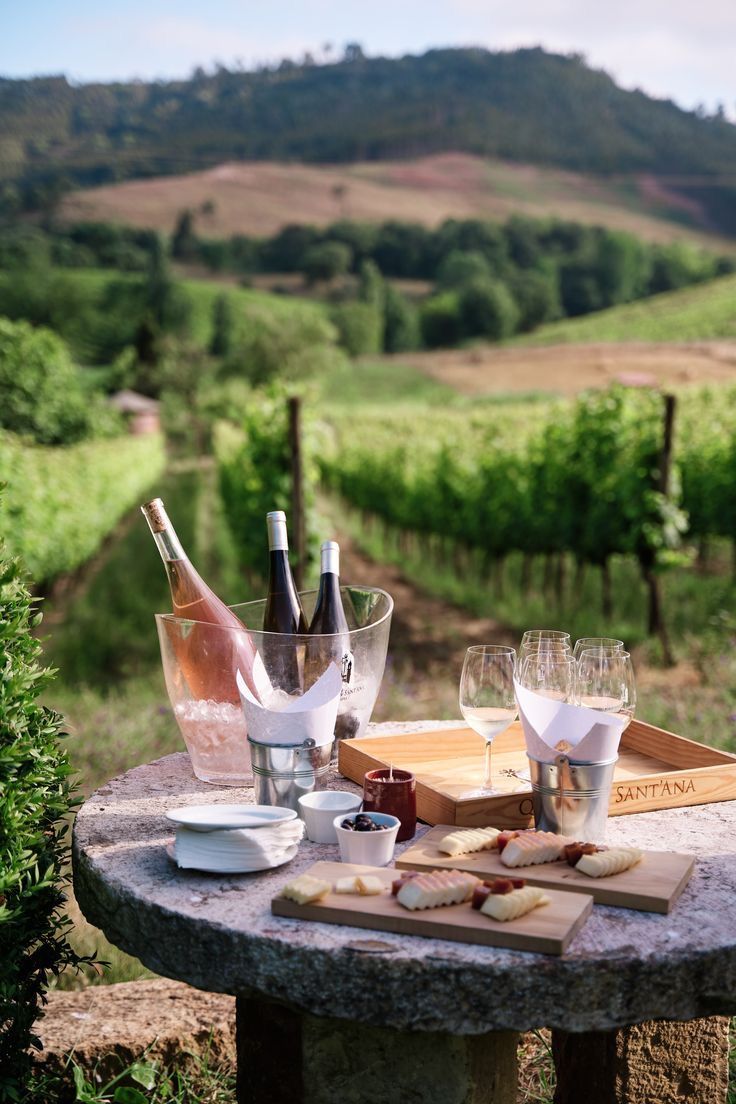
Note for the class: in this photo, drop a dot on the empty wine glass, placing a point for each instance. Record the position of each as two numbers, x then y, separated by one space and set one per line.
543 640
551 674
588 643
605 681
487 699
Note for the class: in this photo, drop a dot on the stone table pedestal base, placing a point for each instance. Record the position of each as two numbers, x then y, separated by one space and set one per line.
652 1063
286 1057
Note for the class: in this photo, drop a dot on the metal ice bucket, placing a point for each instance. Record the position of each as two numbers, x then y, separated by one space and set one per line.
571 798
282 773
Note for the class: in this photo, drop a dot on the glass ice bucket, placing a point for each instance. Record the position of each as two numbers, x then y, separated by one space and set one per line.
199 662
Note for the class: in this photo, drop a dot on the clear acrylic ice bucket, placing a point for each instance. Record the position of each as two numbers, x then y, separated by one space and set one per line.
208 710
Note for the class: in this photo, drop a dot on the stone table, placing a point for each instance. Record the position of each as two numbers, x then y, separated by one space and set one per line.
326 1013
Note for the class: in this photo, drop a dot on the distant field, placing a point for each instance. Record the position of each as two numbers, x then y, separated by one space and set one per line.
565 369
258 198
705 312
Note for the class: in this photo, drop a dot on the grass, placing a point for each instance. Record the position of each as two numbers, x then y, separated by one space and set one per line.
368 383
701 313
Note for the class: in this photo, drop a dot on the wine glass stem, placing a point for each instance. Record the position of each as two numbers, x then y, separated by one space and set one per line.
487 775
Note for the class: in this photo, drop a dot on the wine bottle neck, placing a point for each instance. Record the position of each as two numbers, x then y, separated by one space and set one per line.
276 525
330 558
167 542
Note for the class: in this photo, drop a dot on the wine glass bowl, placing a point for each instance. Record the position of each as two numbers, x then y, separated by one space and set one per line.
487 699
605 681
593 643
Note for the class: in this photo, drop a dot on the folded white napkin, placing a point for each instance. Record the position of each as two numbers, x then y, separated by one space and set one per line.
554 727
279 718
237 850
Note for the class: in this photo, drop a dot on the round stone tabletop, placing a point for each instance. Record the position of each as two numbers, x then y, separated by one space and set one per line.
217 933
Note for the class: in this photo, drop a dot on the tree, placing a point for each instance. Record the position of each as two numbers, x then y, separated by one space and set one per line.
326 261
461 267
222 326
400 322
487 309
184 241
360 328
371 288
440 320
537 296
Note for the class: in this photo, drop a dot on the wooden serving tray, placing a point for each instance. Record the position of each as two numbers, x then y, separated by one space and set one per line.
547 929
653 885
656 770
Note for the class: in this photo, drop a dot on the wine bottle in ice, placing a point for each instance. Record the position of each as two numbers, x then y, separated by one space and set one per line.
218 643
330 634
283 613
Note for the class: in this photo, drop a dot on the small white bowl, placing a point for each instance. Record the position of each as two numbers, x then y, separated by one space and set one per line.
368 848
318 809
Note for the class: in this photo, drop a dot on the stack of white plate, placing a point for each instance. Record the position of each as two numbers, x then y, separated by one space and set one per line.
234 839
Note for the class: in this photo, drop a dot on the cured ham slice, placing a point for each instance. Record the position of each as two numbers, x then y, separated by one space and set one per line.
441 887
529 848
509 906
604 863
467 840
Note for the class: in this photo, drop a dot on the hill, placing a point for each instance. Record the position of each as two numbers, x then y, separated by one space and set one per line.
525 106
259 198
705 312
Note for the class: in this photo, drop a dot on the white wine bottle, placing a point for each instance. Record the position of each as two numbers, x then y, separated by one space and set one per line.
329 630
218 643
283 613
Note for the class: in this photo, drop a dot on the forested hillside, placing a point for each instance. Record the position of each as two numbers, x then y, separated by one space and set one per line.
525 106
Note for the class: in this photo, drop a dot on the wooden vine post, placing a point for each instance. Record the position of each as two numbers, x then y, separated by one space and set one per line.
298 526
657 625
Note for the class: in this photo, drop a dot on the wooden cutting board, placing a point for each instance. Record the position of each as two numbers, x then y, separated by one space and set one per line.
547 929
653 885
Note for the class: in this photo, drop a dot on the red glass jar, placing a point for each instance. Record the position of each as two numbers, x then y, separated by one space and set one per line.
393 792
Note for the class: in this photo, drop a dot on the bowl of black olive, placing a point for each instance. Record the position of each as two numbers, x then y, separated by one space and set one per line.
367 837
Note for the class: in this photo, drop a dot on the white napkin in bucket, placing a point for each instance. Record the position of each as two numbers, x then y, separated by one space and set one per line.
284 719
554 727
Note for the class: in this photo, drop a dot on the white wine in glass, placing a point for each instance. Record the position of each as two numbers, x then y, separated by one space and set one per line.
487 699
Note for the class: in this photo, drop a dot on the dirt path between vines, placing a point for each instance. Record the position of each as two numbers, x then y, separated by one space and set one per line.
428 640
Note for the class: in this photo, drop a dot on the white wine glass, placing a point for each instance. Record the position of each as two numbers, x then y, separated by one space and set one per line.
551 674
487 699
594 643
605 681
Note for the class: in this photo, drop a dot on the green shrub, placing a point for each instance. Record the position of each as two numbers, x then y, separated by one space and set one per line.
42 392
35 796
360 328
62 502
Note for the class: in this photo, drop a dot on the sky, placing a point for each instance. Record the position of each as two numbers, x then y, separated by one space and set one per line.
681 50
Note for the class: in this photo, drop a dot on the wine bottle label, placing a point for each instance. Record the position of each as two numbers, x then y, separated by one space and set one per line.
346 667
276 525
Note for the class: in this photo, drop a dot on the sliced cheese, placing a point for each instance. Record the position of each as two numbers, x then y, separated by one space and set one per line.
368 885
346 885
468 840
509 906
529 848
305 889
441 887
604 863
